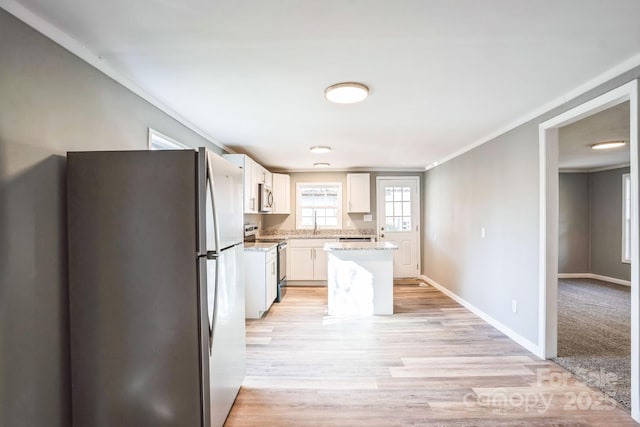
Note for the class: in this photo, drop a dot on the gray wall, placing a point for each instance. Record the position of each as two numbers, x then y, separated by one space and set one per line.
606 224
574 225
590 228
50 102
496 186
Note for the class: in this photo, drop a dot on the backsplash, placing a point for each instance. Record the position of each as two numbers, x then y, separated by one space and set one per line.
323 232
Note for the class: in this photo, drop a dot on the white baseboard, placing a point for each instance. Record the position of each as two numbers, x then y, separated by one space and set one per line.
594 276
519 339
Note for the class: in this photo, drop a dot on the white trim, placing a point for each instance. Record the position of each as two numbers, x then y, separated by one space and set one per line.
592 170
613 72
81 51
339 208
594 276
154 135
626 231
519 339
548 246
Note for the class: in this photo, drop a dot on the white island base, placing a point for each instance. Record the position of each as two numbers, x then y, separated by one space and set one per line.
360 278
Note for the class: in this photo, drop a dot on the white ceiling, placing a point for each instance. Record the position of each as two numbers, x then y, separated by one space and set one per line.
576 139
443 74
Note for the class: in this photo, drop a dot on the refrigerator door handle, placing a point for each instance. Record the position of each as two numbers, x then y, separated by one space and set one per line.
216 231
212 321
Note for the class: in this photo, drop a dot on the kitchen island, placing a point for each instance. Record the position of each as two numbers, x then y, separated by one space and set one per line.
360 278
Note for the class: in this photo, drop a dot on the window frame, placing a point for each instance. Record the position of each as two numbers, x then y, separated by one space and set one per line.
626 222
299 207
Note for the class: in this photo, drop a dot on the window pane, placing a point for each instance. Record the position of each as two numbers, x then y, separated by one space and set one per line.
306 221
388 209
389 224
330 212
332 221
397 194
307 212
406 194
320 221
397 208
397 224
388 194
406 223
406 209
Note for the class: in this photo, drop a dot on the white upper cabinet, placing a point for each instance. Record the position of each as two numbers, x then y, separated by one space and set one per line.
358 193
281 194
251 172
263 176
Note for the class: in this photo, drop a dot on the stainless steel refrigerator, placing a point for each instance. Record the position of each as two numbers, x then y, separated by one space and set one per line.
155 286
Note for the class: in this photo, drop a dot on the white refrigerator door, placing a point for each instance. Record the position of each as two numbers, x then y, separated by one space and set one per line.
227 358
224 203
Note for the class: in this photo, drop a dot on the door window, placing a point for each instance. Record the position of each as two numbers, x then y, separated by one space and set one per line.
397 208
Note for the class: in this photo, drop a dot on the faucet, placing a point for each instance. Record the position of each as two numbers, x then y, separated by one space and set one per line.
315 222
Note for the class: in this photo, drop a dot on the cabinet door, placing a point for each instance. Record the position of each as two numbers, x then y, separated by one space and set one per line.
301 263
281 194
320 264
253 170
272 282
358 193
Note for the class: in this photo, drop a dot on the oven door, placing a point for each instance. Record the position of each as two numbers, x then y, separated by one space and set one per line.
282 263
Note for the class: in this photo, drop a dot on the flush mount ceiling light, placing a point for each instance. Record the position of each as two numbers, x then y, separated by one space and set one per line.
346 93
321 165
320 149
607 145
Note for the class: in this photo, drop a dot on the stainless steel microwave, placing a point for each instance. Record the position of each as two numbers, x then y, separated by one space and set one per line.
266 198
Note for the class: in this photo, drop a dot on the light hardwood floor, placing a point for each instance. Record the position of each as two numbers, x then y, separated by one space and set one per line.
433 363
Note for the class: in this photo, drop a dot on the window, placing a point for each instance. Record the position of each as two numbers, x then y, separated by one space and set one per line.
397 208
626 218
159 141
318 204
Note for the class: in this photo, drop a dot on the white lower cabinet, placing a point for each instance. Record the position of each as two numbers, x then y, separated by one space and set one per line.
307 259
260 281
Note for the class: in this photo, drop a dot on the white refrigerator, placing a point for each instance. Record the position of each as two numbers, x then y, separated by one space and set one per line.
155 287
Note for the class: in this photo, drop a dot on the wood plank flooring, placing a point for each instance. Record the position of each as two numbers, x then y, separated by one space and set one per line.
433 363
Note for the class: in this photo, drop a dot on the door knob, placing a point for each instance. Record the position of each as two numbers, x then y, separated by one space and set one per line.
382 235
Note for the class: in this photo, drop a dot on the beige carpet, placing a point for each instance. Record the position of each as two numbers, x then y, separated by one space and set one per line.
594 336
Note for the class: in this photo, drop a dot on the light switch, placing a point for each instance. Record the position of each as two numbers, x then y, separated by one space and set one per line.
482 232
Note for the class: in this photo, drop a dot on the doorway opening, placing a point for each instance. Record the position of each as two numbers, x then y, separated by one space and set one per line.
549 225
594 270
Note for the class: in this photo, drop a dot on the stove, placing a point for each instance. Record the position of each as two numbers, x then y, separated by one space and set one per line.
250 232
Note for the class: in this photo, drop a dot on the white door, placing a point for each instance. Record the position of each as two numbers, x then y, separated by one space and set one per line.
399 221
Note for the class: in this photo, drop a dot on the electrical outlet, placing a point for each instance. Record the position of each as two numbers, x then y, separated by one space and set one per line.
368 217
514 305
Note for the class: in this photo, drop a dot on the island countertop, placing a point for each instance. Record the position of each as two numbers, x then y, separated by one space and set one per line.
360 246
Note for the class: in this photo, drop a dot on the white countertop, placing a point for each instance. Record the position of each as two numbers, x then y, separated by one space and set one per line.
259 246
360 246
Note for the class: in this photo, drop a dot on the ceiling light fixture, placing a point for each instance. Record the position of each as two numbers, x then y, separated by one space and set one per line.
346 93
320 149
607 145
321 165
